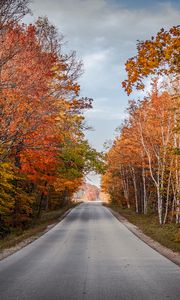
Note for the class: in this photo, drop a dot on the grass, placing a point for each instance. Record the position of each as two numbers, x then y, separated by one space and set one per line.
35 229
166 234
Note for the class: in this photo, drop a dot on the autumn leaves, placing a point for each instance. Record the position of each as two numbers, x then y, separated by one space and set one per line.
159 56
143 165
42 145
43 151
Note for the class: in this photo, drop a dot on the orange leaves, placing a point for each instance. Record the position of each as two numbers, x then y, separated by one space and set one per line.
142 169
156 56
41 116
72 185
40 106
26 107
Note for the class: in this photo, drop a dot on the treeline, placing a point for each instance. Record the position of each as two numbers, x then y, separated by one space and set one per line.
143 164
43 152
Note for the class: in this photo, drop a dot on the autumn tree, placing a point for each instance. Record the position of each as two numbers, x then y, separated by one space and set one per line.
13 11
156 56
144 158
141 162
42 142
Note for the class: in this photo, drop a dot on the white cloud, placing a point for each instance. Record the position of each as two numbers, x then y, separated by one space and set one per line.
106 113
92 60
104 33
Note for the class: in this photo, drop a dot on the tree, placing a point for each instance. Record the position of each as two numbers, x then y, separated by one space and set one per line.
157 56
43 148
142 163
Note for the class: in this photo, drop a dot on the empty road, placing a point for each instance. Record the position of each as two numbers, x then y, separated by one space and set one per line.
89 255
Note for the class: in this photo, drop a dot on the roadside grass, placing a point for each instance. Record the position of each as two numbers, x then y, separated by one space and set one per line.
36 228
166 235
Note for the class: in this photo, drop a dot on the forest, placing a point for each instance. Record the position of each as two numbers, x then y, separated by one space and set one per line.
89 150
143 164
44 154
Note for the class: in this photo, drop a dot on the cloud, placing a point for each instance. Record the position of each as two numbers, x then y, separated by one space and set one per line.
94 59
104 33
105 112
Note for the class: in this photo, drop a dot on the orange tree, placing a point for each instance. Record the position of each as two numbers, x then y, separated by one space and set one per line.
156 56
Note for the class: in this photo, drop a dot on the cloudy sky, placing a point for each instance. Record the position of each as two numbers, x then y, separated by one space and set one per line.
104 34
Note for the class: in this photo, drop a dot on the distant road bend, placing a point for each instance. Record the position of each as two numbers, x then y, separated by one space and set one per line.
90 255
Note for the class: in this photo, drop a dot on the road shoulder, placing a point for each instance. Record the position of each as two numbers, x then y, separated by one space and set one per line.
171 255
9 251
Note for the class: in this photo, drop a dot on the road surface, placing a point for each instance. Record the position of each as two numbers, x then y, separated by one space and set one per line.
89 255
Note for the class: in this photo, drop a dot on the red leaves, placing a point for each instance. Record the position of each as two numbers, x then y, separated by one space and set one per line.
40 107
40 115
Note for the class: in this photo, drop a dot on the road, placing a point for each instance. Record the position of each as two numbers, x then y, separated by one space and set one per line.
89 255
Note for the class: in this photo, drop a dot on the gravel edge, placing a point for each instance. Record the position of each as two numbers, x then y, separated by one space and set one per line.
9 251
168 253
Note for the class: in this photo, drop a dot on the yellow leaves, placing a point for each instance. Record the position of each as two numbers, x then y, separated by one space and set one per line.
146 145
41 114
155 56
62 184
6 174
56 68
6 187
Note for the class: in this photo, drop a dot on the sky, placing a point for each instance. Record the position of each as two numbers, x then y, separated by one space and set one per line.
104 34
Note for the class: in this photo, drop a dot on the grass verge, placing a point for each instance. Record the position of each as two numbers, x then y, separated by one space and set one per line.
166 234
36 228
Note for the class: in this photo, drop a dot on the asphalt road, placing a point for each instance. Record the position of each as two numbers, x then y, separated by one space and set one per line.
89 255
